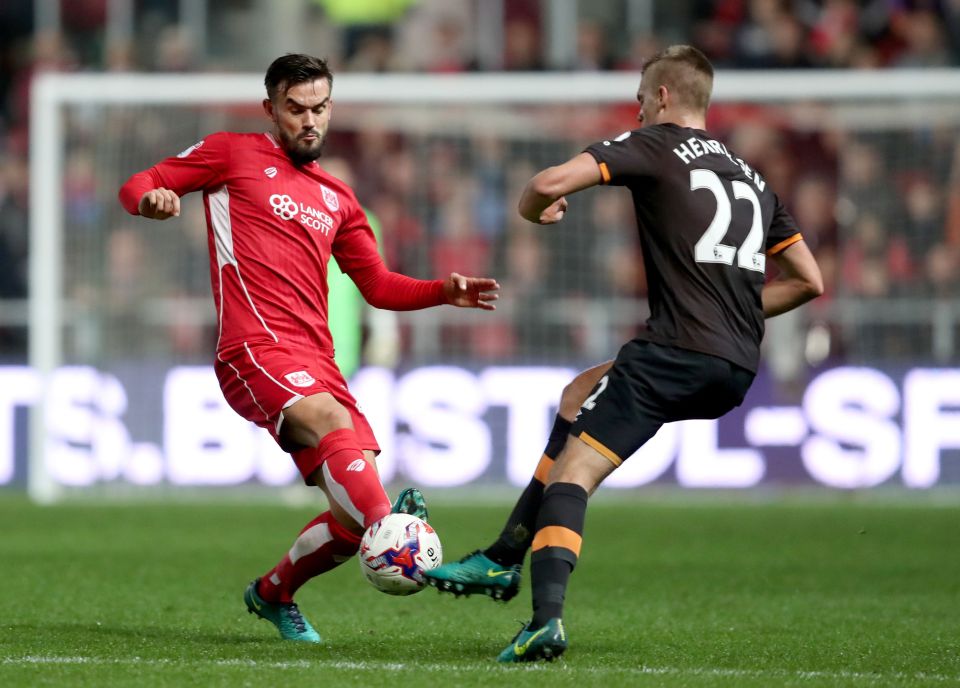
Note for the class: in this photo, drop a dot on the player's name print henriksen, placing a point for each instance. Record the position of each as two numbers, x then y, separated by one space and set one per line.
694 147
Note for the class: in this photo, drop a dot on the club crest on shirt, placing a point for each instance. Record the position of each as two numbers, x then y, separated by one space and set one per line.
301 378
330 198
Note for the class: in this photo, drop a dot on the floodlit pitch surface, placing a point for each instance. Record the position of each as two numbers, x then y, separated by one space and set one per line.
835 590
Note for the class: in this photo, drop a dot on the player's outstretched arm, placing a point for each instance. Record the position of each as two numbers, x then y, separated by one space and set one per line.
543 199
799 281
395 292
159 204
471 292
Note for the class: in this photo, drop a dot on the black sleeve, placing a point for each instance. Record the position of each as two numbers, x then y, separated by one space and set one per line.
783 229
632 155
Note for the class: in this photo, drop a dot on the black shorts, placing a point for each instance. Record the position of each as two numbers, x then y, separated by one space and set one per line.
651 384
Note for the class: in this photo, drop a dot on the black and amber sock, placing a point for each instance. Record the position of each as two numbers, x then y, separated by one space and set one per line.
517 534
556 548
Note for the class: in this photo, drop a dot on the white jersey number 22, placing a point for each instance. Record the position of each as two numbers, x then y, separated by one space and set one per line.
709 248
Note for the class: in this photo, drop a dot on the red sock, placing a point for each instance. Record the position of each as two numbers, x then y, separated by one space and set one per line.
351 481
322 545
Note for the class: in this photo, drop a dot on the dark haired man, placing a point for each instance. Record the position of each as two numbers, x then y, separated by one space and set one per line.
274 218
707 223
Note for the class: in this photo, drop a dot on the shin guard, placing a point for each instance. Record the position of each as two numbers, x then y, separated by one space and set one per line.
517 534
350 479
556 548
322 545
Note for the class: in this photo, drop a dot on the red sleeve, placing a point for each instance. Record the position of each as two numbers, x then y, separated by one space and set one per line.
199 167
355 249
395 292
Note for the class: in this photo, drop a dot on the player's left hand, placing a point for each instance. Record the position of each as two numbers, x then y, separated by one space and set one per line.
471 292
554 212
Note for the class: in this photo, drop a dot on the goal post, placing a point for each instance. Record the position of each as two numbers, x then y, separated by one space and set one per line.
920 97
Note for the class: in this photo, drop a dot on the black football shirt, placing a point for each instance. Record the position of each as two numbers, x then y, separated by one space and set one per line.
707 222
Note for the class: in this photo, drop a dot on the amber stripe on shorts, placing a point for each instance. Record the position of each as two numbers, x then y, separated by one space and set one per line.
603 449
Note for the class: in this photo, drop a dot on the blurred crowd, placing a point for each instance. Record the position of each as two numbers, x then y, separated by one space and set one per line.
880 207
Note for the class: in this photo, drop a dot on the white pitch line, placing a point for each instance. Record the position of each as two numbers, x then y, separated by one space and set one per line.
35 660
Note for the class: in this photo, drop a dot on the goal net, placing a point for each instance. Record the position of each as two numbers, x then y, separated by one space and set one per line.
123 327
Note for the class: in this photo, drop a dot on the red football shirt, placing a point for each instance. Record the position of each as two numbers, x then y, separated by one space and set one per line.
272 229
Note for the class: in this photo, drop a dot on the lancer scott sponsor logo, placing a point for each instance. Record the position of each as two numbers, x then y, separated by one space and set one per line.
288 209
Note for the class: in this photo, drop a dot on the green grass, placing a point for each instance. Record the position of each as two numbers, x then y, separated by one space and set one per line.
698 592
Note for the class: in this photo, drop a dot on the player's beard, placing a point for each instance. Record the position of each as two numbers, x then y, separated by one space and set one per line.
301 152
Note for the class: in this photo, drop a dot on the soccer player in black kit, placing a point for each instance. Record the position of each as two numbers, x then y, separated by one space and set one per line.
707 223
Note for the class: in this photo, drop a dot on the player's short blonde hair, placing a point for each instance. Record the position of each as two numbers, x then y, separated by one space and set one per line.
686 72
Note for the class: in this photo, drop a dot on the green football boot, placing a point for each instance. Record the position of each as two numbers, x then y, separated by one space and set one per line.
476 573
286 617
547 642
411 501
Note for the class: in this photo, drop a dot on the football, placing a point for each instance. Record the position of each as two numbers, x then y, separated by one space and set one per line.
396 550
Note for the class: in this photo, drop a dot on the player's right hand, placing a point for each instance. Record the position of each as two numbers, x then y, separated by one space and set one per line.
553 213
159 204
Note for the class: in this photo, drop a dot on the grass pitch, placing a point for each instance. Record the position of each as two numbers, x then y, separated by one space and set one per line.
686 592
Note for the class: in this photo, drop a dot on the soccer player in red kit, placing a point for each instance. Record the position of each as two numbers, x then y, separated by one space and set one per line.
274 218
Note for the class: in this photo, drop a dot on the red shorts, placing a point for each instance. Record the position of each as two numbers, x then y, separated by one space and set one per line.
259 381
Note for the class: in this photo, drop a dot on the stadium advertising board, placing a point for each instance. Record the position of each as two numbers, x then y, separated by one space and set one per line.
443 426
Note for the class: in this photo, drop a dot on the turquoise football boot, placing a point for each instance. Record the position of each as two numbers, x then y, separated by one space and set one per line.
476 573
547 643
286 617
411 501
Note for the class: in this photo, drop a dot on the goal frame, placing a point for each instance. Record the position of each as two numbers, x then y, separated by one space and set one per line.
52 92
